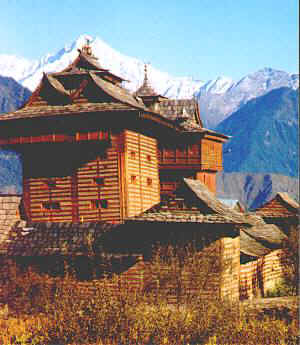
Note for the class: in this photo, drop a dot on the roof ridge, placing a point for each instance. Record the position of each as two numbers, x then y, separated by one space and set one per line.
108 88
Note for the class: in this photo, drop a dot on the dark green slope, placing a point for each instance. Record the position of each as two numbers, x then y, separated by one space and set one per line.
264 135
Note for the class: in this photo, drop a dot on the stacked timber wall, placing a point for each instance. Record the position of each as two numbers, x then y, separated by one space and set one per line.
66 192
259 276
141 178
211 155
98 186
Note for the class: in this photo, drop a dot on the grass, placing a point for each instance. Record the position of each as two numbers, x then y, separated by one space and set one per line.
47 311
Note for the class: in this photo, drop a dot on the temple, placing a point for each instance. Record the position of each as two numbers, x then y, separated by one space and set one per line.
93 151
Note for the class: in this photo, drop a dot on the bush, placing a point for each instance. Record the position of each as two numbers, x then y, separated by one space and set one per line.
281 289
108 313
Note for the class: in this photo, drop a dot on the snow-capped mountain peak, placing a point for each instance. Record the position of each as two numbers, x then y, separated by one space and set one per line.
219 85
218 98
29 73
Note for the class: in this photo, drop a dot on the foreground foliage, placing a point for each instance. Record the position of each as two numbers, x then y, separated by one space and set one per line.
45 311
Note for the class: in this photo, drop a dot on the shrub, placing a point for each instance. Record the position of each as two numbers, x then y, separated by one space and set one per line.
281 289
290 261
108 313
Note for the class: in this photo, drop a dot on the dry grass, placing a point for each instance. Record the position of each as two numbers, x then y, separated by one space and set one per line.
46 313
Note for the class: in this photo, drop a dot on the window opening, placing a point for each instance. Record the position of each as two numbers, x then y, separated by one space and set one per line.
133 179
51 184
96 204
51 205
99 181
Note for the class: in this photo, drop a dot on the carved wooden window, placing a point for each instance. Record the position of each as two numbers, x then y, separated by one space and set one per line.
133 179
96 204
99 181
132 154
51 205
51 184
193 151
181 154
168 154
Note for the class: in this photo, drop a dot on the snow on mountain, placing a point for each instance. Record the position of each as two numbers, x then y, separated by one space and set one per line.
218 98
218 86
29 73
15 67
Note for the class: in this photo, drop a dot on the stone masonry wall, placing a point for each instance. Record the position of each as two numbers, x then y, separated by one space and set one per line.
9 214
230 254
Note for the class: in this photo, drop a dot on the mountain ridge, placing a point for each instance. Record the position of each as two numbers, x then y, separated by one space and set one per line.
218 98
264 135
12 94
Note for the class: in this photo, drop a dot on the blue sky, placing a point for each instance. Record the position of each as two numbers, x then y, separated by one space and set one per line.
199 38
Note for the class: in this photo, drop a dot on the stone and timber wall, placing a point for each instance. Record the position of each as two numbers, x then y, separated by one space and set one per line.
259 276
9 214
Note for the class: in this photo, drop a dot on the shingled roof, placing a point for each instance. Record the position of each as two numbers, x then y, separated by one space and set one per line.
281 206
69 109
118 93
261 239
185 110
193 202
55 238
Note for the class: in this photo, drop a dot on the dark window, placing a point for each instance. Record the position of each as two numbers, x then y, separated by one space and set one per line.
148 158
51 184
132 155
51 205
133 179
99 181
96 204
149 182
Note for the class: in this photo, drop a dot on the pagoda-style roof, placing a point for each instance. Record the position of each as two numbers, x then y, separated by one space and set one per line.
86 87
184 112
146 90
281 206
106 96
86 61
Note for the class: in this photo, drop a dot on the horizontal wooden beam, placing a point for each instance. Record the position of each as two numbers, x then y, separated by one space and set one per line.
57 138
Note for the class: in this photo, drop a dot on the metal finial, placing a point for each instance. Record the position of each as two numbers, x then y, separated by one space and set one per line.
145 72
87 48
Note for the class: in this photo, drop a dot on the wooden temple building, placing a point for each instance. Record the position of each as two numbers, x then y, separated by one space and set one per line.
93 151
105 170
